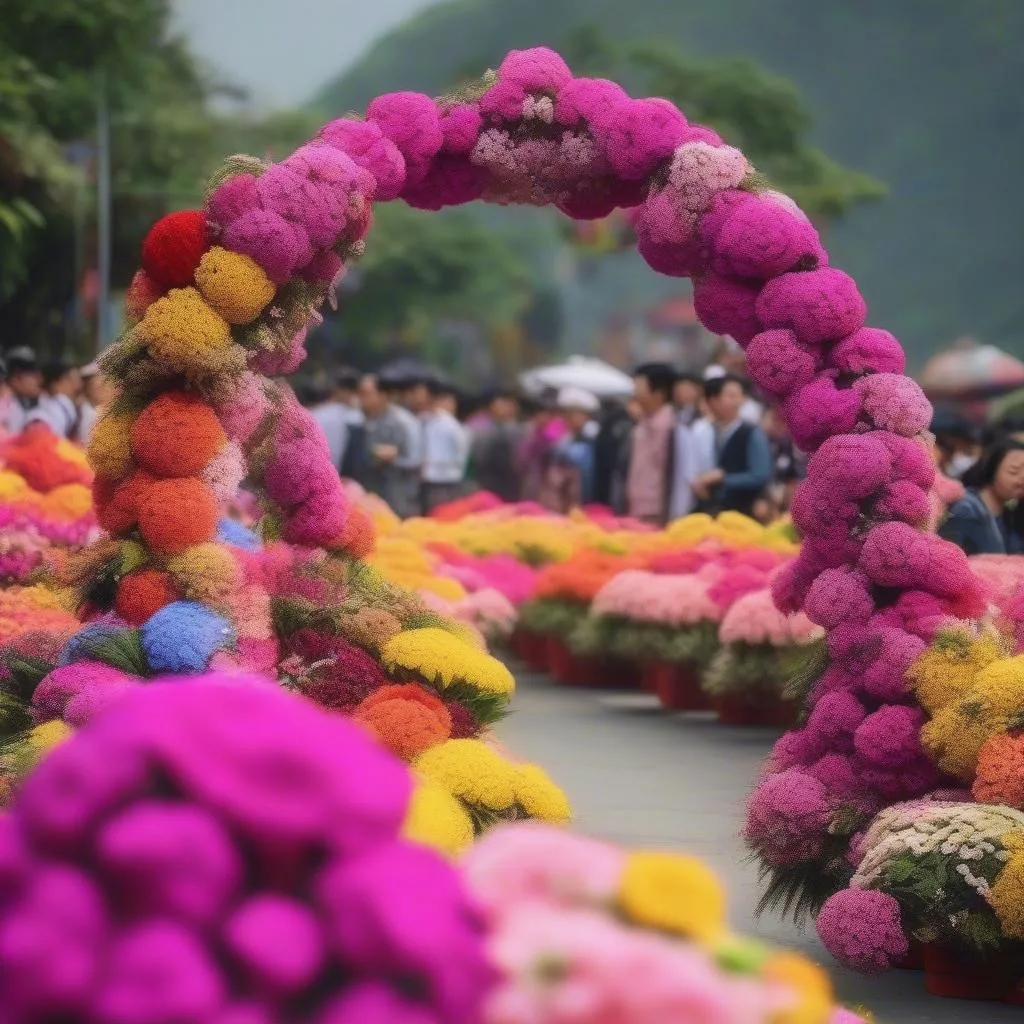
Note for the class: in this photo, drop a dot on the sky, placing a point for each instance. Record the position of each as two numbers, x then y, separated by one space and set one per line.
283 51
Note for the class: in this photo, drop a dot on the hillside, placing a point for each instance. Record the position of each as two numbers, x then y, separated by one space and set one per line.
923 94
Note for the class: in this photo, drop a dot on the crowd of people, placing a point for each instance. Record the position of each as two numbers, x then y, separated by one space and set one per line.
64 397
680 443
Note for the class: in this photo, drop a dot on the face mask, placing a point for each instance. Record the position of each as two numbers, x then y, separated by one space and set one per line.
959 464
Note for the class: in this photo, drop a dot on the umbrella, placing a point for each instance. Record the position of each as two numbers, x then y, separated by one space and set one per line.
593 375
971 368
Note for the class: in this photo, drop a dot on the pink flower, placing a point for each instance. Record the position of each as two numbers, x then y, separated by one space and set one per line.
889 736
727 305
818 305
700 171
513 865
371 149
893 402
820 410
869 350
787 817
839 595
862 929
411 121
779 364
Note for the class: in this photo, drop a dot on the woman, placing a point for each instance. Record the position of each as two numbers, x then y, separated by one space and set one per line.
981 522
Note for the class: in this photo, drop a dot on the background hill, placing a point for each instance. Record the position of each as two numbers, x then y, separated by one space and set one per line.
925 95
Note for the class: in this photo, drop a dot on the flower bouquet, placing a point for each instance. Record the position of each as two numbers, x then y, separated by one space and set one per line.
760 651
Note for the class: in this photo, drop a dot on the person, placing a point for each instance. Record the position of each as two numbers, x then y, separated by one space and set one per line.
789 467
611 453
385 443
97 392
400 393
534 454
333 418
652 454
982 522
25 387
739 454
686 397
568 480
494 447
58 405
445 448
956 443
733 364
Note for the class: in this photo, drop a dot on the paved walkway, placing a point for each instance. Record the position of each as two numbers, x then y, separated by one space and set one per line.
639 776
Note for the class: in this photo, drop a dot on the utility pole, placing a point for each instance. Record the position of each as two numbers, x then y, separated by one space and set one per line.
103 211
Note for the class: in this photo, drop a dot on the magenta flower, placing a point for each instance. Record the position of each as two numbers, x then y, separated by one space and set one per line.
818 305
862 929
787 817
726 305
371 149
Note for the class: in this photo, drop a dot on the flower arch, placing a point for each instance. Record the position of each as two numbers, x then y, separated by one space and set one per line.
226 295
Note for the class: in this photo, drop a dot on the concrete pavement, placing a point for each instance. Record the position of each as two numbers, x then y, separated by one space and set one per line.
639 776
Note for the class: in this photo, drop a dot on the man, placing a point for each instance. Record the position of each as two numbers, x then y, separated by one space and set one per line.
58 406
495 446
25 384
751 410
534 455
737 451
332 417
410 461
385 442
569 479
648 482
445 449
97 392
686 397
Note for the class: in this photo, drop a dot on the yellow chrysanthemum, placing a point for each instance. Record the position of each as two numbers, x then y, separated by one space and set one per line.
674 893
206 573
437 819
808 983
45 737
183 331
471 771
945 671
954 742
999 688
1006 896
539 796
110 450
13 486
235 285
443 659
133 556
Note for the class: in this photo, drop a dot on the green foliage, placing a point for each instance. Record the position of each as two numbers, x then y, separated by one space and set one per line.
745 669
550 617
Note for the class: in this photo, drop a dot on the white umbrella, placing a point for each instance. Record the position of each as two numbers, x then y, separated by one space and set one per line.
593 375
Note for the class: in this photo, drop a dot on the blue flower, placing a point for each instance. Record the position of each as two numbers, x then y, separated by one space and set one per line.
230 531
183 636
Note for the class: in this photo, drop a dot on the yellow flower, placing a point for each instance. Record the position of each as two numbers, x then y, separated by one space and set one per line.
999 687
674 893
539 796
72 453
471 771
1006 896
43 738
809 984
954 742
234 285
437 819
182 331
206 573
13 486
945 672
110 450
443 659
133 556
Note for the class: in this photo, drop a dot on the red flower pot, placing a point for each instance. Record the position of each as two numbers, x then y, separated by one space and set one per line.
955 974
678 686
532 649
578 670
741 711
649 672
914 960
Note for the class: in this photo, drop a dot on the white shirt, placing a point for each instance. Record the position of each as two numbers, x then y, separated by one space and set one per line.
445 448
58 412
334 423
88 415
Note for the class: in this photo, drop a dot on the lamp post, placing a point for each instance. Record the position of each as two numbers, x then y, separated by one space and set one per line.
103 211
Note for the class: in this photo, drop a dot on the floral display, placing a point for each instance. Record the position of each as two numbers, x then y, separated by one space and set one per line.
574 922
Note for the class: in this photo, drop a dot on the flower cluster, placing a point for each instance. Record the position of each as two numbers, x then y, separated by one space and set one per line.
165 863
573 923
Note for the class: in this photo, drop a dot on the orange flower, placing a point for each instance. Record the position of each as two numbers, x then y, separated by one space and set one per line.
117 504
357 538
1000 776
580 577
140 594
405 718
177 434
175 514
